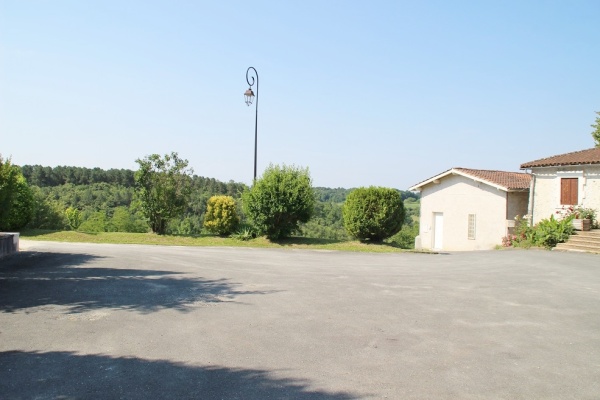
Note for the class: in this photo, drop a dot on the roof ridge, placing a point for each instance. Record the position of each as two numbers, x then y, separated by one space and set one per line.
492 170
507 180
585 156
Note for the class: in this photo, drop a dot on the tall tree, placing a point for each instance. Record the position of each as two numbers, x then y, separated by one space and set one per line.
163 185
596 132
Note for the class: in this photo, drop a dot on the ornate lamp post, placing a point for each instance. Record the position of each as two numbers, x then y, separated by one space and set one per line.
249 97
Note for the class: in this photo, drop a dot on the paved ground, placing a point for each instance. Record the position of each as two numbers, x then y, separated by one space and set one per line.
138 322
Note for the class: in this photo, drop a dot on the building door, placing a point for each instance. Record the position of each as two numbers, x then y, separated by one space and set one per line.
438 231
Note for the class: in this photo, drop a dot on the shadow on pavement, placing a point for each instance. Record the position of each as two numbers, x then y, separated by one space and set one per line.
66 375
31 280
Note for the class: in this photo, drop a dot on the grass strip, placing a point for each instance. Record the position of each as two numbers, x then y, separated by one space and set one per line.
206 240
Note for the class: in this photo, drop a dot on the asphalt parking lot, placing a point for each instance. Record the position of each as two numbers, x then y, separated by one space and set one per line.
81 321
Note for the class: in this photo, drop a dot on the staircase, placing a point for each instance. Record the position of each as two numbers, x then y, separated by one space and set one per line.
588 241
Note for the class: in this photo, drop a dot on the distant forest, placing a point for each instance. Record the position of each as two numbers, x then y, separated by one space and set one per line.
106 199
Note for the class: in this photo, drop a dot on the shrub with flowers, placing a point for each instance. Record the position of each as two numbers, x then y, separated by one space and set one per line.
547 233
522 235
578 212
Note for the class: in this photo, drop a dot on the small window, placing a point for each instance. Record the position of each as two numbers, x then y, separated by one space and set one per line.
472 223
568 191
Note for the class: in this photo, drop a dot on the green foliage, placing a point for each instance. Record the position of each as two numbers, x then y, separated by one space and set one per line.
279 201
48 213
123 220
547 233
339 195
405 238
40 176
73 217
596 131
373 213
221 216
97 222
244 233
326 222
22 207
16 198
8 182
163 185
580 212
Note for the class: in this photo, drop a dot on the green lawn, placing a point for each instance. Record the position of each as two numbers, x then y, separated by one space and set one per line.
205 240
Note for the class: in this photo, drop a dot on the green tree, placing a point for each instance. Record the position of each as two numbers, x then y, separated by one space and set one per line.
21 207
373 213
8 183
163 185
279 201
16 198
596 131
47 213
221 216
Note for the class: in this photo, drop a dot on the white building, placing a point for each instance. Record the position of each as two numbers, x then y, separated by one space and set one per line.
564 180
470 209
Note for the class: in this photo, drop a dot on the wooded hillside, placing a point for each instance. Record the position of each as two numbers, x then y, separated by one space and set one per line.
106 201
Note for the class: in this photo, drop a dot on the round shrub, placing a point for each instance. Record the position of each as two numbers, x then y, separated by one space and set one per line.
221 216
373 213
279 201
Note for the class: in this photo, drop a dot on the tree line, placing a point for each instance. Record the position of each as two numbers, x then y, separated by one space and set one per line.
95 200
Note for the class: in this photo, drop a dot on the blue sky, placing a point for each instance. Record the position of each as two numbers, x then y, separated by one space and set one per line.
383 93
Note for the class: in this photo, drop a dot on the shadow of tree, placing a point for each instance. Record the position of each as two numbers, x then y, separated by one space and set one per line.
41 279
66 375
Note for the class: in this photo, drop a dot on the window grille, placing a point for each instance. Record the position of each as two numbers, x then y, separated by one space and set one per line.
472 223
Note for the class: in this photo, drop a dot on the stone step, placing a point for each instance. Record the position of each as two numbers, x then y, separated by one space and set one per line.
594 233
577 247
588 241
585 240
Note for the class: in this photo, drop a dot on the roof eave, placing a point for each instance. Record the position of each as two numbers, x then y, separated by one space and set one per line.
454 171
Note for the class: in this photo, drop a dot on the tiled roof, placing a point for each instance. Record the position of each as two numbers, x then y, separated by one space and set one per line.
589 156
501 179
508 180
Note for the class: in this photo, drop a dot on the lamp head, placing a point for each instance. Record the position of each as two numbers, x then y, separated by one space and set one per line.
249 96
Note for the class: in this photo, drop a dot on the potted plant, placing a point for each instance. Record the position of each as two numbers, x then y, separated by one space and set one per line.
583 218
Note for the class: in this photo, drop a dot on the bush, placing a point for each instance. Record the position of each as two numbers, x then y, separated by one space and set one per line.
373 213
73 217
96 222
279 201
221 216
547 233
405 238
124 219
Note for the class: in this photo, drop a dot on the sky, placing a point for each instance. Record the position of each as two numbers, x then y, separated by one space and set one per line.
362 93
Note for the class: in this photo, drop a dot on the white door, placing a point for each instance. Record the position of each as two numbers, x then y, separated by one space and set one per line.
438 231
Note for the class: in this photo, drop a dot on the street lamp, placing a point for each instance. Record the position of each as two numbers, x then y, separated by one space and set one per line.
249 97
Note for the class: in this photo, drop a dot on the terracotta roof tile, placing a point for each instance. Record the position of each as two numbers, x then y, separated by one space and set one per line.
508 180
589 156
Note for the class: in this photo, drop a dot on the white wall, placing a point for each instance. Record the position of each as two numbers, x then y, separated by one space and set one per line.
457 197
546 189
